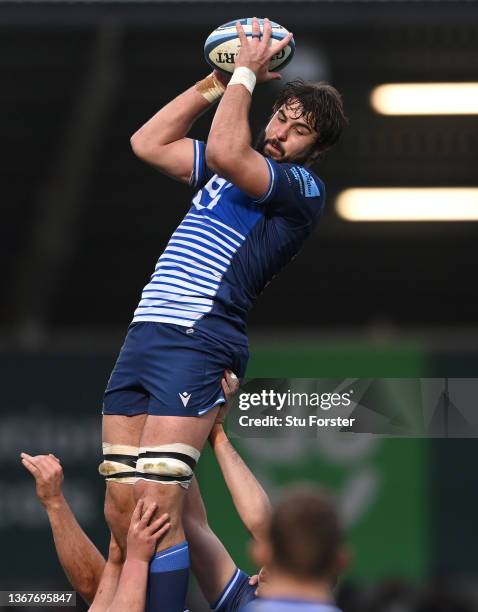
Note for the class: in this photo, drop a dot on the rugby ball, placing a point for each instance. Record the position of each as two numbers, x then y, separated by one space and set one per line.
223 44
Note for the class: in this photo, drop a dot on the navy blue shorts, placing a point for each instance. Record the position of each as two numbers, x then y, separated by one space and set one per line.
169 370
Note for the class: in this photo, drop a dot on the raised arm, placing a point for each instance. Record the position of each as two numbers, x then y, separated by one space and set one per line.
161 141
81 560
210 561
229 152
250 499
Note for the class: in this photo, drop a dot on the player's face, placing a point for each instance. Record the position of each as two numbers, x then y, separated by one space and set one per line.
288 136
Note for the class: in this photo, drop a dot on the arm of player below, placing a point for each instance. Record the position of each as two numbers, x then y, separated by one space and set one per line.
229 152
210 562
109 580
81 561
250 499
161 141
130 595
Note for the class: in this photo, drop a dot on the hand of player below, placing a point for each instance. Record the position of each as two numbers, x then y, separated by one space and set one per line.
258 579
230 385
256 53
144 531
48 475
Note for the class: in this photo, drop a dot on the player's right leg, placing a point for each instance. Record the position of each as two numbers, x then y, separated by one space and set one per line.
125 409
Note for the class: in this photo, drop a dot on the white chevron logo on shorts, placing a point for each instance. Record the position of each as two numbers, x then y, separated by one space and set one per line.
185 397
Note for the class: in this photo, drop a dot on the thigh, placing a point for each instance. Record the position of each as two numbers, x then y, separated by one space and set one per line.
119 429
193 431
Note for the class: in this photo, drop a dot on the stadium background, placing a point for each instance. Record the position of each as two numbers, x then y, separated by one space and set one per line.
83 221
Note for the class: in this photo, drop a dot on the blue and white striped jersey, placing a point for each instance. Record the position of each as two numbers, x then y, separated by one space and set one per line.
228 247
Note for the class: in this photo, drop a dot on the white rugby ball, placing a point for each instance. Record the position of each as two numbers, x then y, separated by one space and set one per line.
222 45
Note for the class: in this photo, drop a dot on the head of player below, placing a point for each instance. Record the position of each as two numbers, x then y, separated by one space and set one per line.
307 120
302 549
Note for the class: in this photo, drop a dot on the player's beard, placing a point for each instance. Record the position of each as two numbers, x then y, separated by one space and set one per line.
301 158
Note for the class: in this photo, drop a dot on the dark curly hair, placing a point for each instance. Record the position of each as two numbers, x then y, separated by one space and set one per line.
321 106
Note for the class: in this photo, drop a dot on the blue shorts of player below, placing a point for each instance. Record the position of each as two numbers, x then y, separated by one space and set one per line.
170 370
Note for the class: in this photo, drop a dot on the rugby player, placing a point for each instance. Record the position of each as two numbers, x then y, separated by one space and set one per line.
303 552
250 215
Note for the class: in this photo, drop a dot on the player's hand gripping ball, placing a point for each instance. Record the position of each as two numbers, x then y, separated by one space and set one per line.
223 44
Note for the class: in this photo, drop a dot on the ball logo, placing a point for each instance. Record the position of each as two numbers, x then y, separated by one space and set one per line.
224 57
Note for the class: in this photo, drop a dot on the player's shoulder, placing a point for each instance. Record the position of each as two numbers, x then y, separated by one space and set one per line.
302 179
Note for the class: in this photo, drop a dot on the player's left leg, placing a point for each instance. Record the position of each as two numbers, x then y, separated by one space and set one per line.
121 439
170 447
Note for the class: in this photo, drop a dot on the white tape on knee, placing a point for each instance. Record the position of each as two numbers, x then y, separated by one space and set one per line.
119 463
167 464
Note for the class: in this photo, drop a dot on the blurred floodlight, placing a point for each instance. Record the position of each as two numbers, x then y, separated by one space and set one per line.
425 99
406 204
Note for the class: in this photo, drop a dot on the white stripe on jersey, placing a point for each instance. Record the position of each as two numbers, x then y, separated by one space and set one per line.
218 223
186 314
170 279
180 305
185 227
211 228
197 268
193 236
199 248
169 271
189 272
177 249
181 298
160 287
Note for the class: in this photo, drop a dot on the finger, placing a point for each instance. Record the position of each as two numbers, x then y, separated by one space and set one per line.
148 513
158 523
266 32
31 467
281 44
26 456
54 457
226 379
162 531
254 579
241 33
51 463
46 465
135 517
256 29
273 76
225 387
232 381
